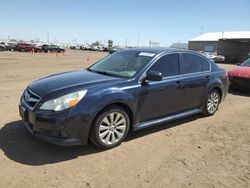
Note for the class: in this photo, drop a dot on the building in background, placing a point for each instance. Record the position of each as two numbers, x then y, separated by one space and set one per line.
179 45
235 46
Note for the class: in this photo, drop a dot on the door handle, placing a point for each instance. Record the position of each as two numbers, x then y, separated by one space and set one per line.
179 84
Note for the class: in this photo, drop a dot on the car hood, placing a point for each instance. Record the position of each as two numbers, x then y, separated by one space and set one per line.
240 71
66 80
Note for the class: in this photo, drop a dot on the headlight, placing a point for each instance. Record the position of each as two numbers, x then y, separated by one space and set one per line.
64 102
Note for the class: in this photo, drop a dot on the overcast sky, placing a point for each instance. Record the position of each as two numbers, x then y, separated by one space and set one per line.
163 21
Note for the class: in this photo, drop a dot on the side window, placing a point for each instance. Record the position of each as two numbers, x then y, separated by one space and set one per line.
192 63
205 64
168 65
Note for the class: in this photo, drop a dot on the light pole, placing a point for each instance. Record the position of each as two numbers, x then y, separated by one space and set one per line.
47 36
201 31
138 39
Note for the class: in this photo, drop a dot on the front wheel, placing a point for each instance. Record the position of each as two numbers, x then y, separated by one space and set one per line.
110 127
212 103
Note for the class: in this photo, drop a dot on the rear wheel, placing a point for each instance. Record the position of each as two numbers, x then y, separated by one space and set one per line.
110 127
212 103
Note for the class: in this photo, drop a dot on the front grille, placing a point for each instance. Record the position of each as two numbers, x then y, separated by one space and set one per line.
30 98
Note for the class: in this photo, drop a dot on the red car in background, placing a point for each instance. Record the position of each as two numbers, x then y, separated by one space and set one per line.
240 76
26 47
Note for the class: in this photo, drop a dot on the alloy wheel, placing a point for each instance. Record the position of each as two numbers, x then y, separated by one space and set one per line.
213 102
112 128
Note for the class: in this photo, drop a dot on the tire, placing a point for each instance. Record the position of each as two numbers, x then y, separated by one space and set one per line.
110 127
212 103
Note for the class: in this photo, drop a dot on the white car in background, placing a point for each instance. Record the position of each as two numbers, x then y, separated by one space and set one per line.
214 57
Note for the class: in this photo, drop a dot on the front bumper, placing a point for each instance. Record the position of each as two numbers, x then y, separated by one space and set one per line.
54 128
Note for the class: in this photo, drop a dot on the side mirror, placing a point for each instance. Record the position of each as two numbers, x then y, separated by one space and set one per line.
153 76
238 64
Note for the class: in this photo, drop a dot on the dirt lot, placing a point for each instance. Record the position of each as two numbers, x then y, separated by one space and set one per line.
193 152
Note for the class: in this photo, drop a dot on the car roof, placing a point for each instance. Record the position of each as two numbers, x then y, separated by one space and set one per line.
156 50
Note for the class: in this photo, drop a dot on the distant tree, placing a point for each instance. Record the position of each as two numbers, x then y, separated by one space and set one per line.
110 43
97 43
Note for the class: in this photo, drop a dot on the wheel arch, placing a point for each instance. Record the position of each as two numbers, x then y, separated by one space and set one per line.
120 104
219 90
214 84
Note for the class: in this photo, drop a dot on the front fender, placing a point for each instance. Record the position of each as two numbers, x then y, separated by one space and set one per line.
117 96
103 98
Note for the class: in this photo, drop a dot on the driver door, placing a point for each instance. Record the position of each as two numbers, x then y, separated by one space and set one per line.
162 98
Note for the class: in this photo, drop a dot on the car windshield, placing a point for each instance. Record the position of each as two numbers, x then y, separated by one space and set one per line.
246 63
122 64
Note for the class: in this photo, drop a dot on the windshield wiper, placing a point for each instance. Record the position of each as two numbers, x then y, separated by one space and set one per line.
101 72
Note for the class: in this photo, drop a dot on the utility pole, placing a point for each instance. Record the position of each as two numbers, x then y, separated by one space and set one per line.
47 36
201 31
138 39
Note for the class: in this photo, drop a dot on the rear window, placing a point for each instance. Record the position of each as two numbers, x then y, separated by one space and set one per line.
205 64
194 63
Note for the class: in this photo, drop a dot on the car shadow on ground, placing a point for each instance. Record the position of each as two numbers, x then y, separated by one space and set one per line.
239 92
19 146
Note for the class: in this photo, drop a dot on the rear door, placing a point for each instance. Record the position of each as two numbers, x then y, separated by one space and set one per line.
162 98
195 78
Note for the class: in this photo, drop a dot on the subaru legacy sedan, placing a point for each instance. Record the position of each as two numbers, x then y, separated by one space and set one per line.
127 90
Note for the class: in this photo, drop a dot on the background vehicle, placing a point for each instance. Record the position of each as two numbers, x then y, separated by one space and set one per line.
114 49
240 76
214 57
2 47
10 46
26 47
52 48
100 48
38 45
130 89
93 48
106 49
83 47
72 47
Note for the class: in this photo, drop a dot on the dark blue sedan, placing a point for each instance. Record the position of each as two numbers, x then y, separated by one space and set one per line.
130 89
